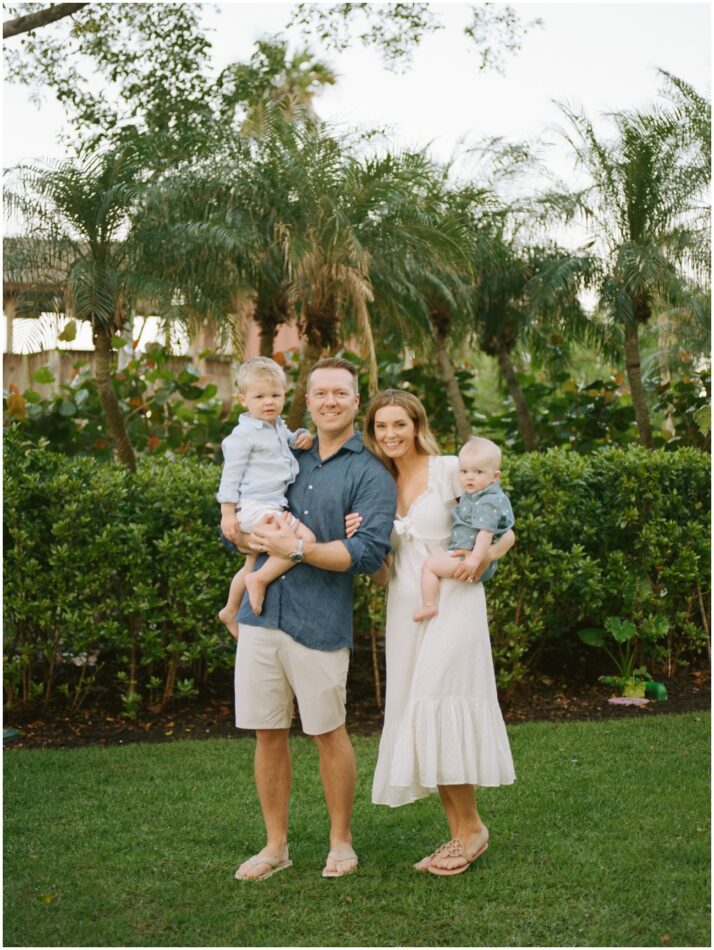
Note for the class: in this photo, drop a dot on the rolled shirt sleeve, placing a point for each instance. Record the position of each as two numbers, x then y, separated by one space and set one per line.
376 502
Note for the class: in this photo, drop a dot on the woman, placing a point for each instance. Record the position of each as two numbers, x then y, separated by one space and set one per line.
443 727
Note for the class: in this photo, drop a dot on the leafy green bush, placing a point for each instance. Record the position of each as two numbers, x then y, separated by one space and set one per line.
617 532
687 402
112 582
583 416
166 413
178 414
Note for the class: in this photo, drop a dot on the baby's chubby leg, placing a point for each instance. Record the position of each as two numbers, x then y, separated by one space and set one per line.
257 582
235 595
435 567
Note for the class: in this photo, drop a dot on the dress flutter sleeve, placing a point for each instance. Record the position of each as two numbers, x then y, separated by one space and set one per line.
446 478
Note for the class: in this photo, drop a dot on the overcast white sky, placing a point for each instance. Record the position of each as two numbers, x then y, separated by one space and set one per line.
601 56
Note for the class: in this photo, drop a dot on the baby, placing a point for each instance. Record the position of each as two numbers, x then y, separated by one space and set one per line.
258 467
481 516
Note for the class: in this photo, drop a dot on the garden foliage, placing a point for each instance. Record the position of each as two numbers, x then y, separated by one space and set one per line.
174 411
112 582
166 410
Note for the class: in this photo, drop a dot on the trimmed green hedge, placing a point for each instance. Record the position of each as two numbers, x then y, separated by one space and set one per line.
115 581
615 533
98 561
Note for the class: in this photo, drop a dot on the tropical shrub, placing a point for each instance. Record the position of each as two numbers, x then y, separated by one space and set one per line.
179 414
111 581
583 416
621 533
687 402
165 413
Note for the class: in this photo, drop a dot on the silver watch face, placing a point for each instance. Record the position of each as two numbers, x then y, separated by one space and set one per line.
296 557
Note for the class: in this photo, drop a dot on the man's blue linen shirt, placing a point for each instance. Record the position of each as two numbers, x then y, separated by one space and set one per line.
312 605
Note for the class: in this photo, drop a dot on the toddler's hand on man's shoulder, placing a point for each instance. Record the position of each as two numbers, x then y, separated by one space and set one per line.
304 441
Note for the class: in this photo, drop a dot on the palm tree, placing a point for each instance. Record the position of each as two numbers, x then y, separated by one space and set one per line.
525 299
106 235
272 79
76 215
273 214
644 205
420 268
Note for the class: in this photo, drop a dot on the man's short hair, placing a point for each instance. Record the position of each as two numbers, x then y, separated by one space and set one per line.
334 362
260 369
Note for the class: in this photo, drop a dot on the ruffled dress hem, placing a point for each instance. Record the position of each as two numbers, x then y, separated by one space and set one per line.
444 741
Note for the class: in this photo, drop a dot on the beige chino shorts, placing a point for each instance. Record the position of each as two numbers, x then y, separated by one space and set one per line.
272 668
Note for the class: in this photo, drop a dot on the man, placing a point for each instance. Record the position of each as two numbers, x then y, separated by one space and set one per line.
299 644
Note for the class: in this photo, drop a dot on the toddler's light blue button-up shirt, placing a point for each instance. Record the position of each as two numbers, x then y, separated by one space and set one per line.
258 463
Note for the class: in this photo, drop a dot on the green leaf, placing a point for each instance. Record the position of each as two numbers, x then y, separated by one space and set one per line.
188 375
209 392
67 408
69 333
118 342
43 375
593 636
620 630
703 418
32 395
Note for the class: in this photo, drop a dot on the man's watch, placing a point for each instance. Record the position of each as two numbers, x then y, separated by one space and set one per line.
297 556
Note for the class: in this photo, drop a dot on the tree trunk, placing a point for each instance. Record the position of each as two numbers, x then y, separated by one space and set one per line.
270 312
298 407
125 329
9 309
116 427
447 375
634 377
33 21
266 343
665 340
268 324
523 413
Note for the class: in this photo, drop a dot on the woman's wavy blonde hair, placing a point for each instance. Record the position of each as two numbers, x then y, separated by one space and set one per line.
425 442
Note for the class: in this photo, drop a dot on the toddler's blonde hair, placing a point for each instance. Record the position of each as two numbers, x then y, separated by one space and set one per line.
260 368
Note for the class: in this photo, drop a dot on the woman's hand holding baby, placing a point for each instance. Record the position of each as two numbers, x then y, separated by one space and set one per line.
352 522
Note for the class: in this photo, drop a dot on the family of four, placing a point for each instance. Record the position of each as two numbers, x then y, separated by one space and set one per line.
312 518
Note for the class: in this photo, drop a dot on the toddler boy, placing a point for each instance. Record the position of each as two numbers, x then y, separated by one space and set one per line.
258 467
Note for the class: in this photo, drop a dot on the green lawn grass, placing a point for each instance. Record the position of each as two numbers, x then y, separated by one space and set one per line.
603 840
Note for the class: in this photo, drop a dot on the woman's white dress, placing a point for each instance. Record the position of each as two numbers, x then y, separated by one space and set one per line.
442 721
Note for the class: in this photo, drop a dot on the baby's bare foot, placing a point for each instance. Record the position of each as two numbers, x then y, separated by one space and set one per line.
428 610
228 617
256 592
